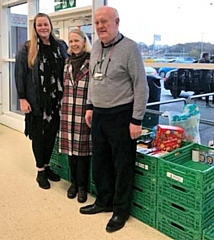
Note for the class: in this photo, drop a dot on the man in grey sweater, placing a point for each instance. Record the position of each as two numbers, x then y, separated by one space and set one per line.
116 103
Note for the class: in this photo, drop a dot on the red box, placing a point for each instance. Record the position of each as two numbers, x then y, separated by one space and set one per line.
168 137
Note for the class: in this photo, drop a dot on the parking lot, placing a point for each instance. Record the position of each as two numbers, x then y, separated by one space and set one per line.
206 131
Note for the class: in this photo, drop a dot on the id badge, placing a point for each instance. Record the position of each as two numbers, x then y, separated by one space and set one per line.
98 76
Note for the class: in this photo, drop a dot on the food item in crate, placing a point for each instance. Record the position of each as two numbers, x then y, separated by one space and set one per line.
147 150
210 157
168 137
145 138
141 146
158 153
146 143
203 156
144 131
195 155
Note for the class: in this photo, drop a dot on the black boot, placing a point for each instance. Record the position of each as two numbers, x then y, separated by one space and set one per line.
79 167
42 180
82 195
51 175
82 177
72 191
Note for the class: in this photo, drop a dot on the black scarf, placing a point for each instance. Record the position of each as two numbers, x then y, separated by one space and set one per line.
50 84
77 62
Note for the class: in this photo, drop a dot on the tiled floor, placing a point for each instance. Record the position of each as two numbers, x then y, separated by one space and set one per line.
28 212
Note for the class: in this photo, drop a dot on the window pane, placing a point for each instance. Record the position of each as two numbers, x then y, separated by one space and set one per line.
18 35
159 25
14 102
87 29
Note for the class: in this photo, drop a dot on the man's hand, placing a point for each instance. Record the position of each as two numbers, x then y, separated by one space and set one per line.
135 131
88 117
25 106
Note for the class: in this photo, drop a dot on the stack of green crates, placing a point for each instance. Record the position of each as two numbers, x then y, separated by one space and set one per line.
59 162
145 189
185 199
144 204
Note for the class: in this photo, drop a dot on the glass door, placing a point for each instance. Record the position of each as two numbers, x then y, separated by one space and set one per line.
58 29
81 22
62 28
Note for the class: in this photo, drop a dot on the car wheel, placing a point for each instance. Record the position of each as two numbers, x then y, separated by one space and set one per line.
175 93
162 74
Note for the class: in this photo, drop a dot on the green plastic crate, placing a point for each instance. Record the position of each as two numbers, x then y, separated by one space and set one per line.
144 197
147 163
184 196
176 230
182 215
59 163
208 233
145 181
179 168
143 214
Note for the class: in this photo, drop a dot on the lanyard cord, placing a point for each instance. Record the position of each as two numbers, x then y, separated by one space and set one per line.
102 57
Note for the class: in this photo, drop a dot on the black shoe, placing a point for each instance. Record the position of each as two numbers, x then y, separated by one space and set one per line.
116 222
82 195
42 180
93 209
51 175
72 191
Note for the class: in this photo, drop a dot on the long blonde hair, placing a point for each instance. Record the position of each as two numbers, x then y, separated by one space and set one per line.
32 44
87 47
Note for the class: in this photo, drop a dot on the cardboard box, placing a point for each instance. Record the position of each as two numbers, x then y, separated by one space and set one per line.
168 137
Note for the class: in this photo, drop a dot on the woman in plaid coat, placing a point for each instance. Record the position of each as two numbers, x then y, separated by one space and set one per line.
74 136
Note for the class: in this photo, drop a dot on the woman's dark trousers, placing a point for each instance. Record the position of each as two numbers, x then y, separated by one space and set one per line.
43 139
79 168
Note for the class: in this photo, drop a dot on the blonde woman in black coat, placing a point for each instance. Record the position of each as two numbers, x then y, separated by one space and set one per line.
39 82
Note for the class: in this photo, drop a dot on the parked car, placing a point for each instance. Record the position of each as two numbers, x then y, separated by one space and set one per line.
178 80
150 71
164 70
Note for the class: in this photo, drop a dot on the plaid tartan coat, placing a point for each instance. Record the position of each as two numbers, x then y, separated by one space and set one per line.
74 134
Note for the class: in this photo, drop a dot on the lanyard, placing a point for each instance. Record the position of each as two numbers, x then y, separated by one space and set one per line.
102 56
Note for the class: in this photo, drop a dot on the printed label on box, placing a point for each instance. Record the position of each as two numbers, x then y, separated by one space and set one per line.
175 177
141 165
